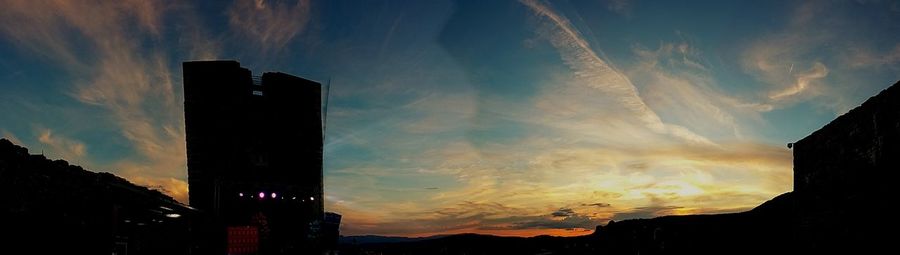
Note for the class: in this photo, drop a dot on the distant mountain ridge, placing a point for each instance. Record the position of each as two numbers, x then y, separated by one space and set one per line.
375 239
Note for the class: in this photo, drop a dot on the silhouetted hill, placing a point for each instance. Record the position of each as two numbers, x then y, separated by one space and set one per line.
375 239
52 207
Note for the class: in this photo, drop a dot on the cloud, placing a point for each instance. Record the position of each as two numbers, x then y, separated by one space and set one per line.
820 54
677 83
195 40
441 113
865 58
176 188
620 6
61 147
598 204
564 218
269 25
593 72
646 212
774 60
563 212
803 81
469 216
11 137
569 222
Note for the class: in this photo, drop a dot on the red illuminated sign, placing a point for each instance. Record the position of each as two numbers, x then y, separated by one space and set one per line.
243 240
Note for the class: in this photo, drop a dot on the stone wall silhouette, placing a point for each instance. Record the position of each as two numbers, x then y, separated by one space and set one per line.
844 177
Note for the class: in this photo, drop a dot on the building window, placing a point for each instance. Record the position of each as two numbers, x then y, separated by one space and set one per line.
257 93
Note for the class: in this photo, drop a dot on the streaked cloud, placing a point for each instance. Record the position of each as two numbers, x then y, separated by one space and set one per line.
816 54
61 147
803 81
678 84
269 25
592 71
563 212
620 6
11 137
867 58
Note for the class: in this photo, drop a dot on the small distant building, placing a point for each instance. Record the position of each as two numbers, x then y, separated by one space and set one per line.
331 230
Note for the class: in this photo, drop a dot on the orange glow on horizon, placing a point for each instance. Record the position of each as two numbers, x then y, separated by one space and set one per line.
509 232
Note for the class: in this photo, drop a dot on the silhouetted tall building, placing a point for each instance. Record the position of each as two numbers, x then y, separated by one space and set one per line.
254 151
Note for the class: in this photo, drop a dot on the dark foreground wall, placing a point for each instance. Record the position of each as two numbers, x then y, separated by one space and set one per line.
845 176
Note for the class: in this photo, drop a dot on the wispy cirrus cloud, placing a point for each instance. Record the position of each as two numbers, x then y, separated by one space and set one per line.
868 58
816 55
11 137
779 61
678 83
59 146
802 83
116 72
269 25
620 6
592 71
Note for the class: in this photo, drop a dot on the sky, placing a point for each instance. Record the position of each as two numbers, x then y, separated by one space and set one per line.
515 118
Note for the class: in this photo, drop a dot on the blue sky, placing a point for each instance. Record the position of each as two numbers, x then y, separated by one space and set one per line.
503 117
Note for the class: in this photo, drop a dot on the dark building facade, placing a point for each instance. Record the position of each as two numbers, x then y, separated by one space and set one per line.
254 146
52 207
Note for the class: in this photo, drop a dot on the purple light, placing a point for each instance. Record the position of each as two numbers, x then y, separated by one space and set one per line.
262 195
241 194
274 195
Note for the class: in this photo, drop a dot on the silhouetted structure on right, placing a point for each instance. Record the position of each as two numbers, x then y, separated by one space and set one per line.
331 231
845 179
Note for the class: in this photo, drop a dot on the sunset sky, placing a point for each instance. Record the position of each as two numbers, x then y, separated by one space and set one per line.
501 117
